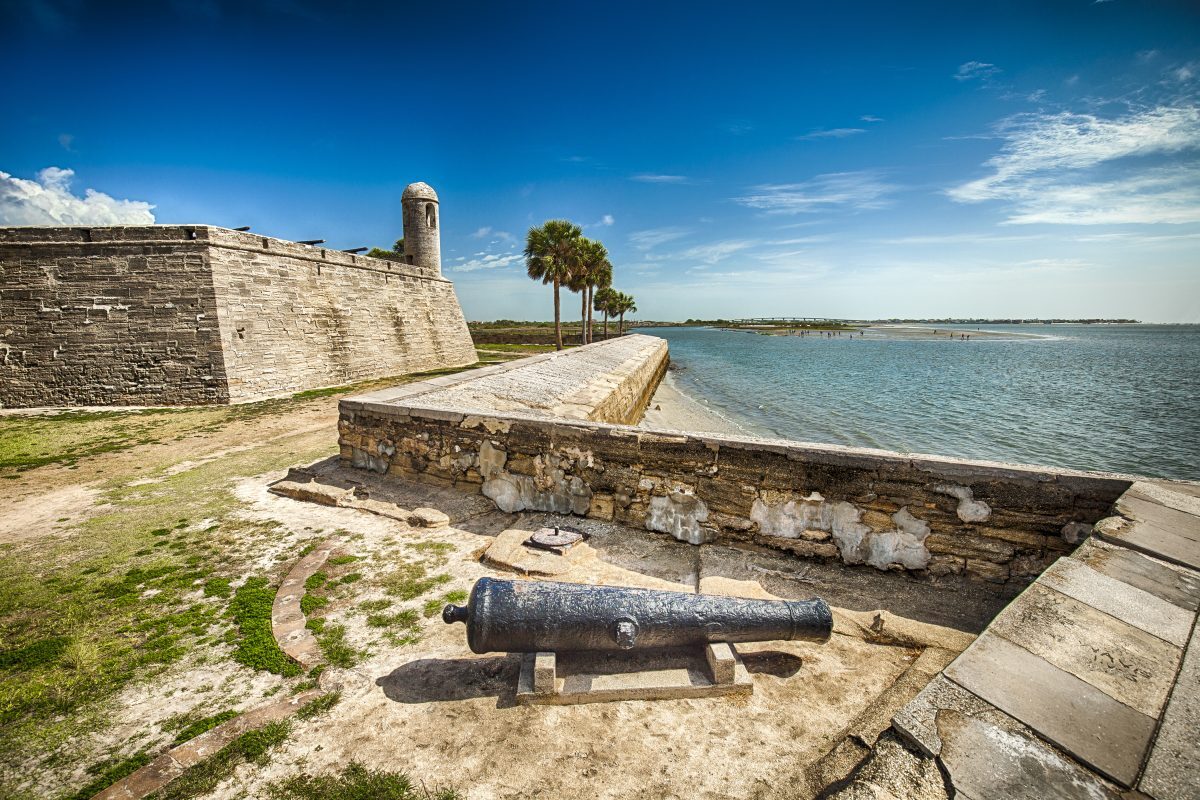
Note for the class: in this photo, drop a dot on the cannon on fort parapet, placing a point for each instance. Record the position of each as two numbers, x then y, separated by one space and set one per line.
536 616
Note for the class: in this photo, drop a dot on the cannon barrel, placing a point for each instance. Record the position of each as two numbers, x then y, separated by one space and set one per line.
536 616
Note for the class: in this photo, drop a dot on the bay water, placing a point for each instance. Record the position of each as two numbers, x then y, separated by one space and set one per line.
1116 398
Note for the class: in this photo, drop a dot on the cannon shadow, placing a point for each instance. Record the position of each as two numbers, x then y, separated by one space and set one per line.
771 662
438 680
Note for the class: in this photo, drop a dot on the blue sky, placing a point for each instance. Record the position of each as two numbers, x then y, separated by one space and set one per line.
841 159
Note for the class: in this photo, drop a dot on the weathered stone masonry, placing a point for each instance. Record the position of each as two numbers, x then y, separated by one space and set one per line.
938 516
191 314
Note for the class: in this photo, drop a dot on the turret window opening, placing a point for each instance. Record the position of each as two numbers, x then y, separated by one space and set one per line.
430 215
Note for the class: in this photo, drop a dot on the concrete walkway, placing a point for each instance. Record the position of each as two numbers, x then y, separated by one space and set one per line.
1088 684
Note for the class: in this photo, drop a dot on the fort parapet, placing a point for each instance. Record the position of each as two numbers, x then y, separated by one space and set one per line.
194 314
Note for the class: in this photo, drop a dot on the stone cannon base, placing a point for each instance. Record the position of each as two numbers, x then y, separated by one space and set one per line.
573 678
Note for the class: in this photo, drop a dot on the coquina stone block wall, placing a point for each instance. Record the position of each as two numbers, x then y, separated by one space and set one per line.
922 514
179 315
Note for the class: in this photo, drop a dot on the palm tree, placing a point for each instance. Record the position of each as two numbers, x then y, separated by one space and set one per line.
625 303
552 256
594 270
605 303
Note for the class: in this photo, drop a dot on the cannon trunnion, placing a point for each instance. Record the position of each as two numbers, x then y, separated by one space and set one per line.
543 616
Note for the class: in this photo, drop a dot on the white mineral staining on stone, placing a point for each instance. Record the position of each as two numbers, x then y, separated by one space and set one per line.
491 460
679 513
548 489
969 509
1076 532
814 519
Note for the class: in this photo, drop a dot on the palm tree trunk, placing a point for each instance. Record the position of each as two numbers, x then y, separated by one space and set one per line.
606 325
557 318
590 289
583 316
621 326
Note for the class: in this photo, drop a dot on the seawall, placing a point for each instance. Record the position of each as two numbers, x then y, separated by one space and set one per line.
928 515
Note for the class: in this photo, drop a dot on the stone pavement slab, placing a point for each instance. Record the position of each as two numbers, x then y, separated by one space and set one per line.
1171 770
987 753
1127 603
1159 530
1169 496
1177 585
1076 716
1125 663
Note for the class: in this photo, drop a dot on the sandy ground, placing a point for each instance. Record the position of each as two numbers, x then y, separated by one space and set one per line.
671 409
431 707
441 712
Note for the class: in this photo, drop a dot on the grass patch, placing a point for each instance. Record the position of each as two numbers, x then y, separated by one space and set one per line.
375 605
319 705
109 772
355 782
435 605
217 587
337 561
334 647
202 726
35 654
410 580
401 619
315 581
256 647
311 602
251 747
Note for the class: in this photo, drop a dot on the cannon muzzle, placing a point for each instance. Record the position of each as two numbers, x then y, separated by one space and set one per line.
536 616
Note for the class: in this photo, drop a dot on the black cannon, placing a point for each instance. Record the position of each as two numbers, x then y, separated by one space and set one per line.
537 616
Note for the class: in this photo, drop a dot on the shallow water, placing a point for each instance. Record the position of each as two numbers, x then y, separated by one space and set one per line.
1115 398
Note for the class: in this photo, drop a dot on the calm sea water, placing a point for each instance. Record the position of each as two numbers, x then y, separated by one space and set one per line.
1114 398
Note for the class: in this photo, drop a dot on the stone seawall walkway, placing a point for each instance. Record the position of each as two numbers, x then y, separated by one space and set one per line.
1088 684
607 381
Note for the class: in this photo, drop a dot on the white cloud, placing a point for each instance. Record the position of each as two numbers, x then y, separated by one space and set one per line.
489 261
645 240
656 178
831 133
858 190
482 232
607 219
870 118
48 201
714 251
1081 169
975 70
67 140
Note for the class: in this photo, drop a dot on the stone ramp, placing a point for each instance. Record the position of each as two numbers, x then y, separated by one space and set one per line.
1088 683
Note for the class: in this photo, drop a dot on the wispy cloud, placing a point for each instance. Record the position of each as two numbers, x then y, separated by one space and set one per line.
49 201
853 190
1083 169
489 261
831 133
870 118
67 141
647 239
714 252
976 70
656 178
482 232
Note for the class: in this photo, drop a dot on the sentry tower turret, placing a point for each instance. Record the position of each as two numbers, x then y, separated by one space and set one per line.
422 241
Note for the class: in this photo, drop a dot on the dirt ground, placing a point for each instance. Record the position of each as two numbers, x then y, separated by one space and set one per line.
413 697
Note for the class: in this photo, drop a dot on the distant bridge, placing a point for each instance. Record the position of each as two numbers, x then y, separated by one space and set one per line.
776 320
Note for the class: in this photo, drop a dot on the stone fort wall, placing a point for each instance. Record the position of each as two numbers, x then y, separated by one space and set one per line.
193 314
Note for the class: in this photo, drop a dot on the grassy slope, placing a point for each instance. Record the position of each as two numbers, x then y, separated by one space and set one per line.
144 581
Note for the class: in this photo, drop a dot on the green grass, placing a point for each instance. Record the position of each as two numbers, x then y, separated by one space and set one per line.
435 605
256 646
251 747
409 581
401 619
315 581
356 782
319 705
202 726
311 602
335 648
338 561
109 772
